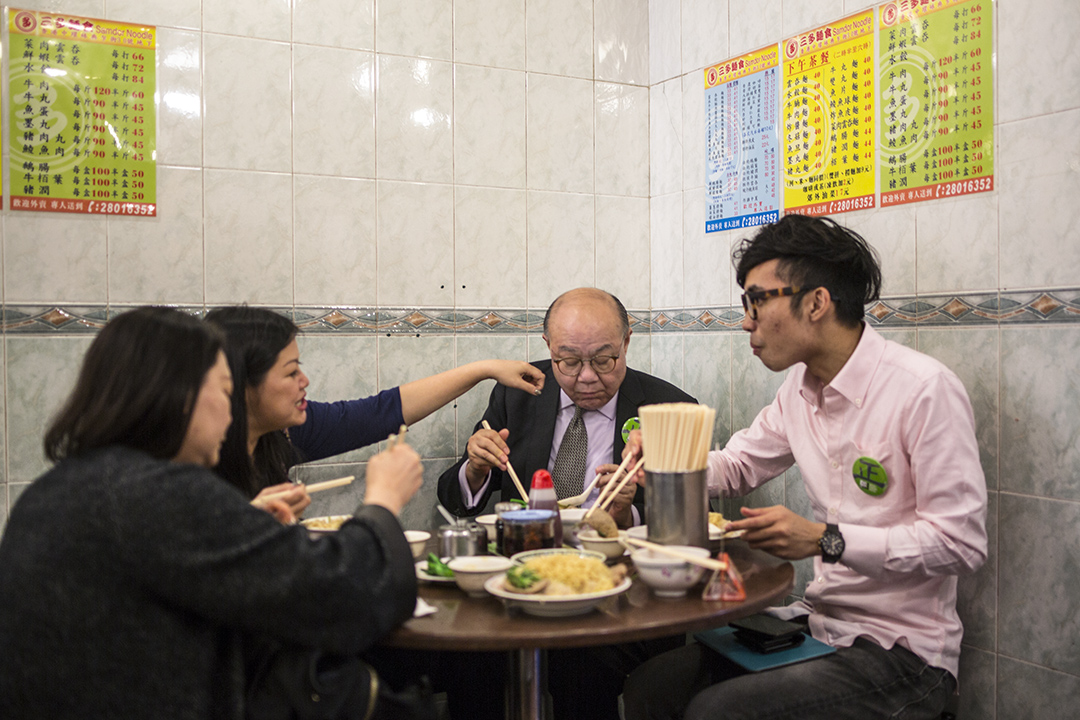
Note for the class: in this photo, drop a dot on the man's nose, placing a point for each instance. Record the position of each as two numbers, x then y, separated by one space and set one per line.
748 324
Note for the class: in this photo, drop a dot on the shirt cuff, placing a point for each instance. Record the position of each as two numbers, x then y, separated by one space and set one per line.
864 549
468 499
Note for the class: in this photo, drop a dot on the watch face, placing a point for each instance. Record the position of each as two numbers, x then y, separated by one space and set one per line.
831 545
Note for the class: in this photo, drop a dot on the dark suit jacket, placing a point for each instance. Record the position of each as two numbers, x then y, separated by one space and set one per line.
531 421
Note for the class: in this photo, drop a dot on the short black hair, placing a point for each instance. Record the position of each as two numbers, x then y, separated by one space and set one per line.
816 252
620 310
137 386
254 337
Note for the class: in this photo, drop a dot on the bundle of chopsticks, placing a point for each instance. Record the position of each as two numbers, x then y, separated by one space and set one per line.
393 441
675 437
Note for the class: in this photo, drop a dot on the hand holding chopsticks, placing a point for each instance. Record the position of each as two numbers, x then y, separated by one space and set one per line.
313 488
510 469
604 500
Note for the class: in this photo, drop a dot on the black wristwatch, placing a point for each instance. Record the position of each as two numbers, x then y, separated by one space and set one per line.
831 544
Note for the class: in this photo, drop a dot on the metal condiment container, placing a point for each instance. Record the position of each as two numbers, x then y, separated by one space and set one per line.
677 507
462 539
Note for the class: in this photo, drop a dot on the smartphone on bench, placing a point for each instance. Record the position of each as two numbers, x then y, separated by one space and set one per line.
766 634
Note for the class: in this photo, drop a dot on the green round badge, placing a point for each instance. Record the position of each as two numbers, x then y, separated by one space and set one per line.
870 476
633 423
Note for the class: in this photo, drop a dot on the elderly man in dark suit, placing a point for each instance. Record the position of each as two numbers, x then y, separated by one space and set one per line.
589 395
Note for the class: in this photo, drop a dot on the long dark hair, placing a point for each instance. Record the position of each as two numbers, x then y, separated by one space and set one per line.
253 339
137 386
816 252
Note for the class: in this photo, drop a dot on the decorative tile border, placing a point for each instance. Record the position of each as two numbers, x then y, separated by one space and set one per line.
1038 307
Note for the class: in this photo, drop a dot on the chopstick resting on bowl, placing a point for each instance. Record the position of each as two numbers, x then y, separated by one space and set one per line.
708 563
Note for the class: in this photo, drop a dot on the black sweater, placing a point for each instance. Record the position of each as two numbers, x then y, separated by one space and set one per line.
129 585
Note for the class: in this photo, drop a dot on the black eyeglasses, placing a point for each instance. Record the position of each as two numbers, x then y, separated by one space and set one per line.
571 366
753 299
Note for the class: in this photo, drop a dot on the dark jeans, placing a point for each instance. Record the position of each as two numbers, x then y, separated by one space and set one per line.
859 682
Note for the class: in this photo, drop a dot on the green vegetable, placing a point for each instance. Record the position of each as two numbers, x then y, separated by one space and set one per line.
437 567
521 577
520 502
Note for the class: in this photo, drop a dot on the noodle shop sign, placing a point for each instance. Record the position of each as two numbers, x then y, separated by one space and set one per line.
82 116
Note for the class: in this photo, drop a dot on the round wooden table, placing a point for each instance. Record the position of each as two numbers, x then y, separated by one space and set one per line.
485 624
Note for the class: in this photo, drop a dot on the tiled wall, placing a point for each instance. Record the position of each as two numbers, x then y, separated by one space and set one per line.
417 179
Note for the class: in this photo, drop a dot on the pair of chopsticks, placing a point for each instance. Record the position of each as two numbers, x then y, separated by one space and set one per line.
393 441
510 468
604 500
708 563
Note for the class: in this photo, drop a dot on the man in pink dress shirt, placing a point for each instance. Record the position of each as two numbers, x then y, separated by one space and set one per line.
884 438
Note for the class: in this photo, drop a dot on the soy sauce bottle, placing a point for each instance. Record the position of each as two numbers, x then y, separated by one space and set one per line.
542 497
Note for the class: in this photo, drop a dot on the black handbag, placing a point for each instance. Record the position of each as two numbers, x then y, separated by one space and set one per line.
304 684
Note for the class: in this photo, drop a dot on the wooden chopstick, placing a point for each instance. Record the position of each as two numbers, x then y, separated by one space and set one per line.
622 483
610 484
394 440
317 487
709 563
510 469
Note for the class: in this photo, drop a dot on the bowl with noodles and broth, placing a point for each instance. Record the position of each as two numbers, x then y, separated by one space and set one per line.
574 582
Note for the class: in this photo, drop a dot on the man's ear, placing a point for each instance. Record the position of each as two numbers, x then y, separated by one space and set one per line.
820 303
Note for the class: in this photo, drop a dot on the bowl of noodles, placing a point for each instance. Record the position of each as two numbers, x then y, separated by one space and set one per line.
324 524
575 582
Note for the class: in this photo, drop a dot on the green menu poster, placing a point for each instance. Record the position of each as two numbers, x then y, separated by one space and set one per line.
82 115
936 113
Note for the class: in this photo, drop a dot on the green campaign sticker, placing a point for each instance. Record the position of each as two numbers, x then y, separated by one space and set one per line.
633 423
870 476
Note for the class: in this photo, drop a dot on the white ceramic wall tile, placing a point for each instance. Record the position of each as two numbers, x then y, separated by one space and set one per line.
41 372
417 28
622 249
561 245
248 104
415 101
416 244
957 245
489 248
1024 86
559 37
337 23
693 130
333 112
665 40
800 15
334 241
560 134
622 140
470 406
490 32
160 260
404 358
537 348
82 8
180 108
341 368
162 13
1039 176
892 233
248 231
707 263
708 377
269 19
639 352
54 258
666 138
666 256
704 36
669 358
489 126
752 25
621 31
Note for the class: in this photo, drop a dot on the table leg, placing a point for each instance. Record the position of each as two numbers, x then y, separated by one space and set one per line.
527 684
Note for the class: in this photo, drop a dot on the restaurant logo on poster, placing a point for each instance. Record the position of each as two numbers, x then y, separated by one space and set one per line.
82 121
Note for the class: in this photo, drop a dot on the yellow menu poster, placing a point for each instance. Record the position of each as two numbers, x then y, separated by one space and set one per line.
937 99
82 121
828 114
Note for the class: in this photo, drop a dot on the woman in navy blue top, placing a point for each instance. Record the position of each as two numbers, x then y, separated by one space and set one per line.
275 426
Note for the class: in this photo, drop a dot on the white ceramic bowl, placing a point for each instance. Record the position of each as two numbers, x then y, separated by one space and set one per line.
417 542
668 576
488 523
610 547
570 517
324 524
641 532
471 572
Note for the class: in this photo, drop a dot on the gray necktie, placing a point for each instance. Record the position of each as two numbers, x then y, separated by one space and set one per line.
569 470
